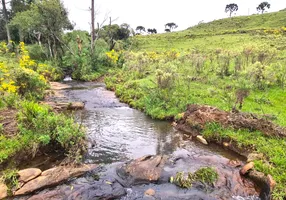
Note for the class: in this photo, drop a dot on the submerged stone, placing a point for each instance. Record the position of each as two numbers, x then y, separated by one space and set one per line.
202 140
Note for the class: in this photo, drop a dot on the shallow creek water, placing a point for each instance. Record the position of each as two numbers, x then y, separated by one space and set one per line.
118 133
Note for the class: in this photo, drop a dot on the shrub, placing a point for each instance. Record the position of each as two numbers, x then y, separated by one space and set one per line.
30 83
50 128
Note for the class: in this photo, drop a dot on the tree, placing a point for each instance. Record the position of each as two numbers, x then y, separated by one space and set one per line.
140 29
92 26
152 30
262 6
20 6
231 8
113 32
6 19
171 26
45 21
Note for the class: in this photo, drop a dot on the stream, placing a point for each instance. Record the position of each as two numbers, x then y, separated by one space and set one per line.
117 133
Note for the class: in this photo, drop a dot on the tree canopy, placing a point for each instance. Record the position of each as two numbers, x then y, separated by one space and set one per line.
262 6
231 8
114 32
152 30
43 22
140 29
170 26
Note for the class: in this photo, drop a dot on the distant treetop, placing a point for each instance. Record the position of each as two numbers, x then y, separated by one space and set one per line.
170 26
262 6
140 29
231 8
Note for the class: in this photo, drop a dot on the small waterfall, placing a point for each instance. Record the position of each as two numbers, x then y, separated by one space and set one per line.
67 78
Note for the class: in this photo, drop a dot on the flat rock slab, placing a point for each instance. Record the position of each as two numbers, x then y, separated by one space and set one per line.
26 175
59 86
3 191
103 189
53 177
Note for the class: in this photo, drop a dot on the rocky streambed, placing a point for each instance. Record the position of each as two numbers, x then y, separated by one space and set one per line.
138 158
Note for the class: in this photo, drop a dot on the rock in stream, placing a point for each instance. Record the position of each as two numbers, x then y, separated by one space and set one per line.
148 178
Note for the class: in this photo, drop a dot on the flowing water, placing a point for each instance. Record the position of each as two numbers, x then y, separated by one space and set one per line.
117 133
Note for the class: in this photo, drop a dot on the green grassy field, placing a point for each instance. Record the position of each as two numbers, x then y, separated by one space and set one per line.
221 63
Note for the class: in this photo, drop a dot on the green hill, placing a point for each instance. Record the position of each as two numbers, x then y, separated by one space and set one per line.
230 33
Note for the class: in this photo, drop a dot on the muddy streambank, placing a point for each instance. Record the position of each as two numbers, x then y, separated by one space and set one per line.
118 135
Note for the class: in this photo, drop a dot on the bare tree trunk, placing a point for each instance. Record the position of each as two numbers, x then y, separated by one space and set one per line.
92 26
6 20
50 48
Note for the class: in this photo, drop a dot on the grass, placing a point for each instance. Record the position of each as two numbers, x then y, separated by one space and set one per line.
205 175
209 64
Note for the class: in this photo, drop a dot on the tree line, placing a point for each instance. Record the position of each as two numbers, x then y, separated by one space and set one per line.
168 28
233 7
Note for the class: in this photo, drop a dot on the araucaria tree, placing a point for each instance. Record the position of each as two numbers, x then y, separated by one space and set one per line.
140 29
170 26
262 6
231 8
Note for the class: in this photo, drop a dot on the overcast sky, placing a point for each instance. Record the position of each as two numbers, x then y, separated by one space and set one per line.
156 13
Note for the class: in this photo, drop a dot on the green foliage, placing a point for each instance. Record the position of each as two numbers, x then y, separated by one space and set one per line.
10 178
114 33
37 52
183 181
51 19
206 175
84 65
49 127
30 83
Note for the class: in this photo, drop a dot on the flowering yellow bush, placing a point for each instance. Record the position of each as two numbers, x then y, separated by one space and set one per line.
173 54
22 76
3 48
113 56
6 83
25 60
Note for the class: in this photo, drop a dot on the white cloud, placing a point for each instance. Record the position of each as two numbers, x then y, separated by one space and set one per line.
156 13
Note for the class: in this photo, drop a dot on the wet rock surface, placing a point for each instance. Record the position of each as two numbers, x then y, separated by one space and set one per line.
121 180
3 191
52 177
28 174
142 170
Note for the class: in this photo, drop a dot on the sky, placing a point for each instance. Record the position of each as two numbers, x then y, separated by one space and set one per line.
156 13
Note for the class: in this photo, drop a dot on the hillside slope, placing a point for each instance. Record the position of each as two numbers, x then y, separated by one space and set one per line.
230 33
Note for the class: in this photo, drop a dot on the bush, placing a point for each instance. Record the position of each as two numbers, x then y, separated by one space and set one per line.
50 128
30 83
37 52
